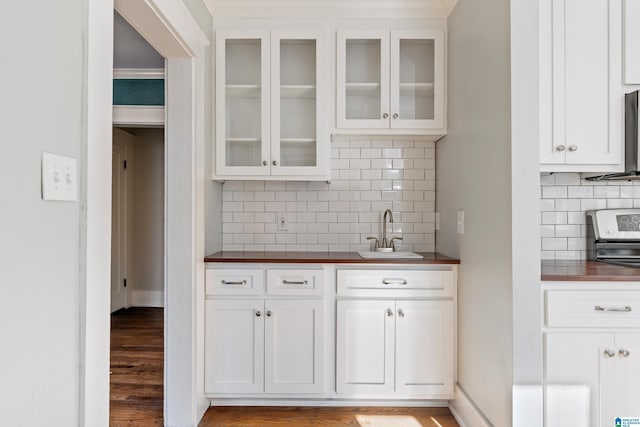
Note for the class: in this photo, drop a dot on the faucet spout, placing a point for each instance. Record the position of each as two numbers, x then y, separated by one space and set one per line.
385 243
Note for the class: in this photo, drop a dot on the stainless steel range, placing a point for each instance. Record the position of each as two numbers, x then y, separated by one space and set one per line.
613 236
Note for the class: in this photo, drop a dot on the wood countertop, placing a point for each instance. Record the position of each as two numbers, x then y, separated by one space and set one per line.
587 271
322 258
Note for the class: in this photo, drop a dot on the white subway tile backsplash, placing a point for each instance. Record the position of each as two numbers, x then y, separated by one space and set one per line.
563 220
369 175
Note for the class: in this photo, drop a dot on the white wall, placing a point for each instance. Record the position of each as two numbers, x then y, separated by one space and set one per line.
39 241
147 229
474 175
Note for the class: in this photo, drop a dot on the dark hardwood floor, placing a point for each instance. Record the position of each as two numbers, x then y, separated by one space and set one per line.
137 364
137 358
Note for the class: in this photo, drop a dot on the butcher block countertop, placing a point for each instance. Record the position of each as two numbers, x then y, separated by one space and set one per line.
323 258
587 271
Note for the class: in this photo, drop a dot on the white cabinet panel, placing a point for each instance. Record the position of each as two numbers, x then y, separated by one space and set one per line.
627 383
234 346
294 360
632 42
424 343
365 347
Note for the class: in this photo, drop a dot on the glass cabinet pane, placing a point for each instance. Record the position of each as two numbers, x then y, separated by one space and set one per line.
298 102
243 102
416 79
363 80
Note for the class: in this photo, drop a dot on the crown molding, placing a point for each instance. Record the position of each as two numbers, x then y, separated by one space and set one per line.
322 9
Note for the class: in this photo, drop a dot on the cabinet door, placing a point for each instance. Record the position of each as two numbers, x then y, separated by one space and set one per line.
627 384
234 346
299 103
363 79
631 42
581 364
417 80
294 346
583 75
365 347
424 348
242 103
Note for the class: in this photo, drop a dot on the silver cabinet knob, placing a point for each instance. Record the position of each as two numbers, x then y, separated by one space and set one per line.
275 163
560 148
400 312
573 148
609 353
389 312
258 313
624 352
265 163
395 115
269 313
385 115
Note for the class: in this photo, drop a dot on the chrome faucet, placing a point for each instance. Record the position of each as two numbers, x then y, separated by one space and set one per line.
385 243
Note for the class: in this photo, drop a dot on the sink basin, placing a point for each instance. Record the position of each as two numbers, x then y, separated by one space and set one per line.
390 255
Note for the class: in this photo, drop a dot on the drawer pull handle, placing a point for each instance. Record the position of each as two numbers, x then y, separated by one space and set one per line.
624 309
294 282
394 281
624 352
224 282
609 353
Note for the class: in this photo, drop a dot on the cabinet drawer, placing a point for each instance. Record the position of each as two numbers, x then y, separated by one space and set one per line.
295 282
386 283
234 282
571 308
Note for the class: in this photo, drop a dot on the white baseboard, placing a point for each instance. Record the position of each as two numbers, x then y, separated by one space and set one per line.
465 411
147 299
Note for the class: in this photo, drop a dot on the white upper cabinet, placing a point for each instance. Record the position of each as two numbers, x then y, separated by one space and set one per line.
632 42
581 97
271 105
391 82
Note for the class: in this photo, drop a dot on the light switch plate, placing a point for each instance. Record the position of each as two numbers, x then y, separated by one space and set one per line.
59 178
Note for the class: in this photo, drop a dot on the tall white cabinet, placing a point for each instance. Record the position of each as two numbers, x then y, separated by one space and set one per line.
391 80
581 95
272 100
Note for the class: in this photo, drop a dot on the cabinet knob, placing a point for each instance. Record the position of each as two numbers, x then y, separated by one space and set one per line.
385 115
258 313
269 313
275 163
573 148
560 148
609 353
395 115
400 312
389 312
624 352
265 163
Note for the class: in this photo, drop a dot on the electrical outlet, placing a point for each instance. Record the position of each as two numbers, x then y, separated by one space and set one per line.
281 218
460 222
59 178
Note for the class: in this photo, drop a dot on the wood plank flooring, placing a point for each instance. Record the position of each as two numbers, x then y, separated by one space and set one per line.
225 416
137 364
137 358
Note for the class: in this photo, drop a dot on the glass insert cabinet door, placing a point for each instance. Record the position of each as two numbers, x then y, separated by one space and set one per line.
391 79
271 91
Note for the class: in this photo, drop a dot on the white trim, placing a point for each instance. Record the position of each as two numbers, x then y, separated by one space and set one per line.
332 403
134 115
465 411
147 299
448 6
138 73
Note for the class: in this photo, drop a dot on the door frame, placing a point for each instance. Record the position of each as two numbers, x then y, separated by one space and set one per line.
169 27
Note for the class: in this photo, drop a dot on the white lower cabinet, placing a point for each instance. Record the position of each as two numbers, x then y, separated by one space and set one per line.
593 369
262 346
395 348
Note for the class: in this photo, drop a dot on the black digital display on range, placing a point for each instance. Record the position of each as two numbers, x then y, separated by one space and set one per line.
629 222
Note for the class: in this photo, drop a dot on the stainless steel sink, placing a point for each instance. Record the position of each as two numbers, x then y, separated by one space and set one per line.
389 255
